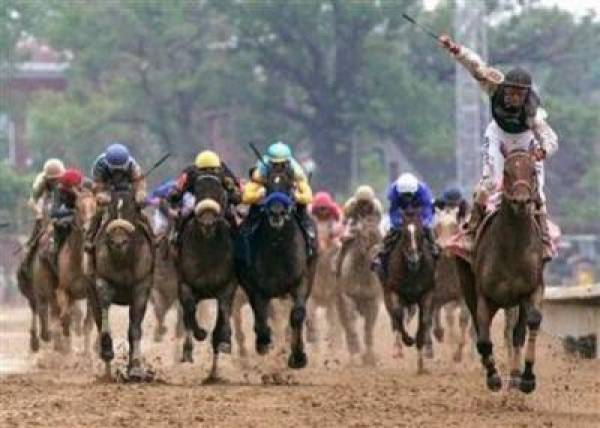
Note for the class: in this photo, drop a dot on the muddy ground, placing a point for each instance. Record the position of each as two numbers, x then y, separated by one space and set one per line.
55 390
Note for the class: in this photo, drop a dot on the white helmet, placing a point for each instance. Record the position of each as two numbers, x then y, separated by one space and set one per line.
407 183
364 193
53 168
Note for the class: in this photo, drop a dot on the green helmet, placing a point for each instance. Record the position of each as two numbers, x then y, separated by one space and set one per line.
279 152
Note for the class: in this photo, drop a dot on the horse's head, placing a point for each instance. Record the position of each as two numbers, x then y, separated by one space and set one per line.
122 205
86 207
412 238
446 224
367 234
119 236
280 179
279 209
211 203
520 181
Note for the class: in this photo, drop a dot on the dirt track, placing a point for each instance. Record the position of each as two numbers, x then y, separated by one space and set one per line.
64 391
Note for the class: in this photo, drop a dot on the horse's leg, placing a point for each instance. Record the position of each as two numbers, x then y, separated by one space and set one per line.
347 314
463 324
57 327
34 341
260 309
312 333
298 358
105 295
76 318
438 329
44 315
88 324
518 340
160 309
240 337
534 319
424 330
333 325
221 337
485 314
510 321
137 311
65 309
188 303
396 314
371 310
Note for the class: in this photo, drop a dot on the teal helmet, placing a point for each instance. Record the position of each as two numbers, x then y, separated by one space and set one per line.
279 152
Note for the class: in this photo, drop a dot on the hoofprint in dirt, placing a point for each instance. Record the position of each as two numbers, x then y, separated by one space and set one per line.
264 393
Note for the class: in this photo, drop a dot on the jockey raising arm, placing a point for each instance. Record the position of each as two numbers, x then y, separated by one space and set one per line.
519 123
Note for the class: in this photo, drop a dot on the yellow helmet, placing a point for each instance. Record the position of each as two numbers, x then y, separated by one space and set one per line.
53 168
208 159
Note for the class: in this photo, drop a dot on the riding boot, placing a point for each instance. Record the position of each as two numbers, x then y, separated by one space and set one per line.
308 226
389 241
477 214
548 253
430 237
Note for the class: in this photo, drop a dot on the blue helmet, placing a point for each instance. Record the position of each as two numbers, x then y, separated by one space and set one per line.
452 194
279 152
117 156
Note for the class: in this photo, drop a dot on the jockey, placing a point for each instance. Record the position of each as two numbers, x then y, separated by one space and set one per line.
518 123
407 192
279 158
453 198
42 190
206 163
64 203
363 205
43 187
327 214
159 199
114 169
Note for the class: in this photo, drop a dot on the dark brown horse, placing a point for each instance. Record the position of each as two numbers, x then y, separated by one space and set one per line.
410 281
508 271
279 267
206 267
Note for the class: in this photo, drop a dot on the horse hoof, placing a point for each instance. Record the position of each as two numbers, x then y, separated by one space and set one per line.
106 348
224 348
408 341
187 358
428 352
262 348
162 330
200 334
157 337
527 385
136 374
297 360
494 383
45 336
34 344
439 334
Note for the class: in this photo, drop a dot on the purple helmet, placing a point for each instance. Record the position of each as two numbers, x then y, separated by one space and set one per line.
117 156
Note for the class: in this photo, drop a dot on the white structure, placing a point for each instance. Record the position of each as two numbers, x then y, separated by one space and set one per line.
471 108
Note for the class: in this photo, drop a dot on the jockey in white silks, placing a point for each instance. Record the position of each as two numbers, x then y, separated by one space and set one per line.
519 123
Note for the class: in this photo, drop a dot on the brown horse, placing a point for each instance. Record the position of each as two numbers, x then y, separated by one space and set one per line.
124 264
37 282
164 291
448 291
325 291
72 283
359 287
508 271
410 281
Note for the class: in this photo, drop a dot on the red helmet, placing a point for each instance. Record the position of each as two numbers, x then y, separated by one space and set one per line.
72 177
324 200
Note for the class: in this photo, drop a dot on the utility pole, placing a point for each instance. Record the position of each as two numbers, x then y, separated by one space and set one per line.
471 111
